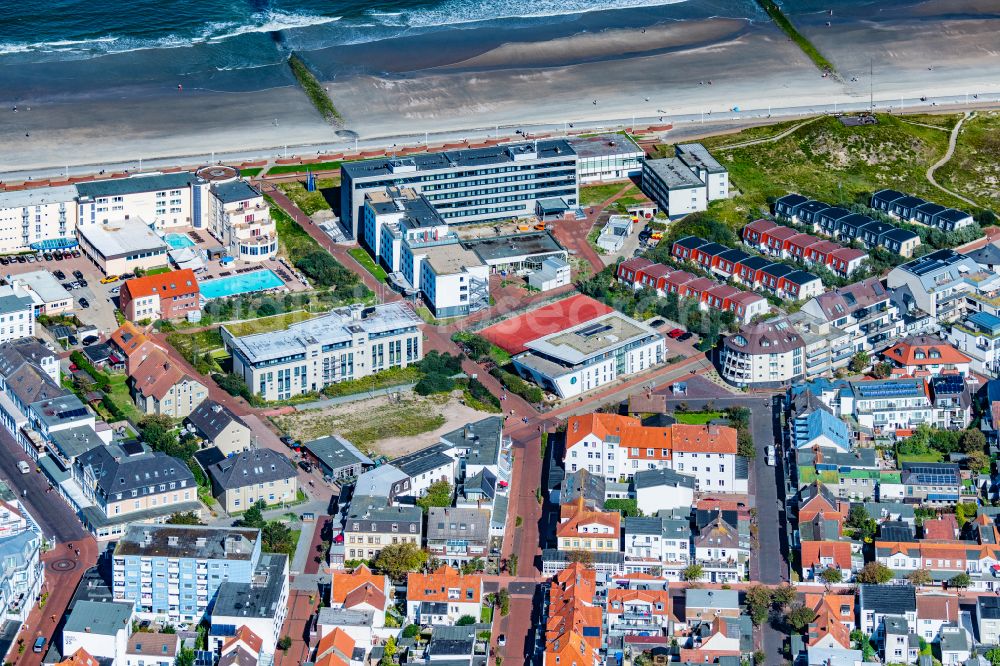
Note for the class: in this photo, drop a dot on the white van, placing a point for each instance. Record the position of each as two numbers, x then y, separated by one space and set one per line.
769 452
23 466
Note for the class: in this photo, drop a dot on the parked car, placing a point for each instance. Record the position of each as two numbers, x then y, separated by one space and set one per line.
769 452
31 258
108 279
47 256
90 339
84 303
675 333
78 275
4 261
21 259
83 283
305 465
127 276
59 275
76 254
23 466
114 291
686 336
502 640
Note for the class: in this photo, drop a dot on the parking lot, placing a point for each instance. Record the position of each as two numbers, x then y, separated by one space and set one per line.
100 311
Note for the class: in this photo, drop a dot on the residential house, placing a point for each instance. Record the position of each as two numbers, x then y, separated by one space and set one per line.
219 425
928 354
152 649
954 644
372 523
426 467
160 386
583 484
936 283
876 602
361 590
258 605
978 337
442 597
897 642
385 481
720 552
656 544
241 649
573 620
705 604
834 620
337 649
102 629
863 310
170 295
931 483
255 475
819 556
820 429
935 611
988 619
457 535
639 612
132 344
129 483
662 490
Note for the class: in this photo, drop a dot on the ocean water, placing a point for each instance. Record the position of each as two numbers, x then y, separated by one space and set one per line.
45 30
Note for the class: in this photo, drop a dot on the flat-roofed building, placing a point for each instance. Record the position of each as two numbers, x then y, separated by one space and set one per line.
471 185
204 558
707 168
32 218
164 199
604 158
591 354
258 605
122 246
452 279
673 186
346 343
49 297
169 295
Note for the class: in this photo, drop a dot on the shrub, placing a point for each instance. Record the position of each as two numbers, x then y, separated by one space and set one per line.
518 386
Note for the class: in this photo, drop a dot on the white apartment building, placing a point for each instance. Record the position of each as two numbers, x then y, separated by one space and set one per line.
17 314
715 176
345 343
616 447
591 354
768 353
674 187
604 158
164 200
937 283
657 543
240 219
29 218
978 336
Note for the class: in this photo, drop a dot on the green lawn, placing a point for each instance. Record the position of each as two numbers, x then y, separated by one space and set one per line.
974 169
159 271
194 347
268 324
827 161
930 456
591 195
251 172
310 202
369 264
293 240
696 418
302 168
118 394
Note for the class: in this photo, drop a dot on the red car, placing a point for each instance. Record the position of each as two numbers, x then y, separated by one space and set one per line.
676 333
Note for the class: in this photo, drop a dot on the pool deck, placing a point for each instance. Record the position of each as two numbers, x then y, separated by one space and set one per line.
213 270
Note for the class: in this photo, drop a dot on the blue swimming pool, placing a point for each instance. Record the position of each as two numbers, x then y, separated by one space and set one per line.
178 241
240 284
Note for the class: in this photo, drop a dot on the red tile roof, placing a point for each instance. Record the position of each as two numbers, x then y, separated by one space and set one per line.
163 285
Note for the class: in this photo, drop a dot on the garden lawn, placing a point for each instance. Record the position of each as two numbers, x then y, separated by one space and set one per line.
194 346
118 393
311 202
302 168
696 418
368 263
592 195
277 322
251 172
930 456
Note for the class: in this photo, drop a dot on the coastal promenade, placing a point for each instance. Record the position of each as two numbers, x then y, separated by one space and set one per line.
711 120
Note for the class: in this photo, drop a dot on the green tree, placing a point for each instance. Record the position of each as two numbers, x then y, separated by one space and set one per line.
253 517
512 564
875 573
277 537
972 440
858 519
964 512
693 573
920 577
859 361
411 631
465 621
784 595
503 601
744 444
390 652
993 656
438 494
188 518
758 601
284 643
185 657
157 430
398 559
627 507
799 616
962 580
977 462
881 370
831 576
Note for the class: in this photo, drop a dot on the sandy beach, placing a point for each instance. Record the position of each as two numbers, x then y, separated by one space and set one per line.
650 62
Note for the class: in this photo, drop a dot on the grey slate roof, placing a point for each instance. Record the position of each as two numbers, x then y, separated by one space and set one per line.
118 472
367 510
888 599
345 617
251 467
652 478
73 442
103 619
482 483
465 523
234 191
211 418
988 608
667 528
479 442
582 483
135 184
29 384
17 352
419 462
336 452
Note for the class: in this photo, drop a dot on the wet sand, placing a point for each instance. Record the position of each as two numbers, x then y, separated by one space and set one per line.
128 106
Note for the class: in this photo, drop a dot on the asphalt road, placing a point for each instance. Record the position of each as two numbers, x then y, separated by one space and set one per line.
51 511
768 563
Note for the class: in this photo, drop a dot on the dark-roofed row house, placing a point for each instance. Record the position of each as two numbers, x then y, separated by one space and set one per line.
919 211
843 225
